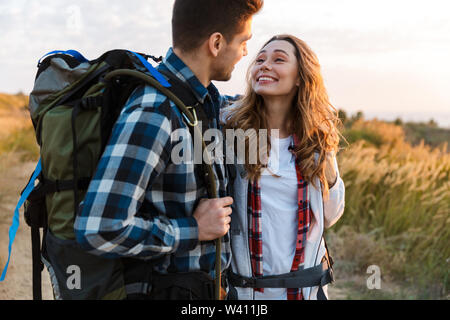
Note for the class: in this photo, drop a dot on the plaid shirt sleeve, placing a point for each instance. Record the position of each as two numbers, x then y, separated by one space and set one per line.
137 152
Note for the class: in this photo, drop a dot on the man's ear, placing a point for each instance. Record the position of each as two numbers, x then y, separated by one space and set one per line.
216 42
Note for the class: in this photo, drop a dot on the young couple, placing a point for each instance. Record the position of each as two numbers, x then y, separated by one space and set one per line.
155 215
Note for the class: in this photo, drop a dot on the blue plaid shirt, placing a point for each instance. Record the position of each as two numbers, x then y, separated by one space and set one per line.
139 203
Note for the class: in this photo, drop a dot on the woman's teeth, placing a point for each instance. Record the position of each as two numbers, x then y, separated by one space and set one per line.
265 79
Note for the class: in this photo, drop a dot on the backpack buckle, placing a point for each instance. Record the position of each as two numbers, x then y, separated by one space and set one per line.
194 114
237 280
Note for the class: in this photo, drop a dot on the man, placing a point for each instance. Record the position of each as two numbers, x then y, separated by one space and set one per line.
140 204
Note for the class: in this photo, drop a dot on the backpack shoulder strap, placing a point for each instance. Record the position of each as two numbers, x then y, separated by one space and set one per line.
208 173
182 90
185 94
190 116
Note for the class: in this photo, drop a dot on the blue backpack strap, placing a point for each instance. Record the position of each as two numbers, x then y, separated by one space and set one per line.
73 53
158 76
15 223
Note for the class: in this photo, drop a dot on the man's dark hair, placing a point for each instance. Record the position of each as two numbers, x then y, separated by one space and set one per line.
193 21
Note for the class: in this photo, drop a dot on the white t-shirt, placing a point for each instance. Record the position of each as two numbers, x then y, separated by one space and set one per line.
279 211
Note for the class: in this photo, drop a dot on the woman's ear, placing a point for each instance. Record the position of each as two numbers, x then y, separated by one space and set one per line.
215 43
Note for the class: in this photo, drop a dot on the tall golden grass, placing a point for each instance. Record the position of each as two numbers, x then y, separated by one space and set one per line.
20 144
13 113
12 101
400 195
17 138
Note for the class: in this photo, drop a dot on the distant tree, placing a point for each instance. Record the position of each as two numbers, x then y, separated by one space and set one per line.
343 116
359 115
432 123
355 117
398 122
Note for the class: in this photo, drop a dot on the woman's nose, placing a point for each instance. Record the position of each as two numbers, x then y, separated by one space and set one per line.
266 65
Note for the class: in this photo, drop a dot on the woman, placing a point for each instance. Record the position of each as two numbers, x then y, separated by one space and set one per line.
282 204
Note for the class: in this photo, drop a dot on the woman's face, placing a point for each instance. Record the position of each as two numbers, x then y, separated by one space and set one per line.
275 72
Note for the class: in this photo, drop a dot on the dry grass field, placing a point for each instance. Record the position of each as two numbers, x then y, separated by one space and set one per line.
397 214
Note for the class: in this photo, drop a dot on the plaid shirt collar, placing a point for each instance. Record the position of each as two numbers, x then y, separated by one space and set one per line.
175 65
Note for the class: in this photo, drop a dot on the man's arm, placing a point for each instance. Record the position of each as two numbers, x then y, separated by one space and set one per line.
138 151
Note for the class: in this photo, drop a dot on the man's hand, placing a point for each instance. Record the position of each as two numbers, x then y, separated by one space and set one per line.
213 218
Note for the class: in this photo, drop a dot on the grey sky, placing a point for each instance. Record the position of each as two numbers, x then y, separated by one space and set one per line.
386 56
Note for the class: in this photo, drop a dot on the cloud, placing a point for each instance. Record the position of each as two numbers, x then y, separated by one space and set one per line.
353 39
30 28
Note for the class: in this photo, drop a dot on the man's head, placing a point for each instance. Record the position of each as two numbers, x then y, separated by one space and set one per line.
217 29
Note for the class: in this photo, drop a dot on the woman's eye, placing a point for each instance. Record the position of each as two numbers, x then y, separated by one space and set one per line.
279 60
259 60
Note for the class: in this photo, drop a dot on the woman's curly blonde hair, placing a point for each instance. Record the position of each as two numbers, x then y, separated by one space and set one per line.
314 120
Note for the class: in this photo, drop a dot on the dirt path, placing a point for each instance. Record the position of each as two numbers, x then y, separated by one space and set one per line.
18 282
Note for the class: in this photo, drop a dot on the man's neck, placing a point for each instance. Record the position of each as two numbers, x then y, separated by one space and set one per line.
197 64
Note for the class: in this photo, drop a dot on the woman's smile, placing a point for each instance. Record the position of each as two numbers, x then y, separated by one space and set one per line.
264 79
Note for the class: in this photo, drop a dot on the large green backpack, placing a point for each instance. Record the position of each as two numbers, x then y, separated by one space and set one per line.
74 105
